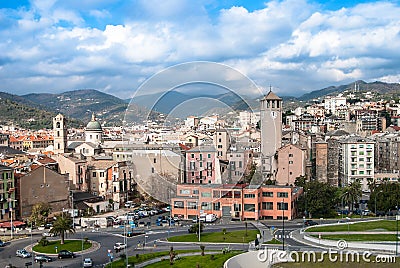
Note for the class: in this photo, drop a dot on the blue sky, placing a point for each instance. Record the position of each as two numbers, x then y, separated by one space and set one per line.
114 46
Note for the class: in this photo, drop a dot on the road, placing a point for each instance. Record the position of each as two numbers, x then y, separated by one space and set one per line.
108 237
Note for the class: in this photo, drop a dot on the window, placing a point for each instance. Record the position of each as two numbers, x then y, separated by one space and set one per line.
282 206
155 160
192 155
152 170
94 174
201 164
185 191
282 194
226 194
240 164
192 205
290 162
361 159
249 196
216 194
237 207
102 174
196 192
219 146
208 155
249 207
290 155
178 204
361 153
217 206
237 194
267 205
206 205
209 165
201 156
268 194
206 194
192 165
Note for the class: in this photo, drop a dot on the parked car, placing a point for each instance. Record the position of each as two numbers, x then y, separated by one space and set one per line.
65 254
2 243
42 258
87 262
310 223
48 234
119 246
23 253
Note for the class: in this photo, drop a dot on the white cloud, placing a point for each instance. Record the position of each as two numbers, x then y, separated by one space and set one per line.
289 44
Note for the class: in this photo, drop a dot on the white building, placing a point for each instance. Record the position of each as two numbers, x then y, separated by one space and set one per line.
332 103
357 161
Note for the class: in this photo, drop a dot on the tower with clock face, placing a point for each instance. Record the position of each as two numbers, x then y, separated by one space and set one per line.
271 132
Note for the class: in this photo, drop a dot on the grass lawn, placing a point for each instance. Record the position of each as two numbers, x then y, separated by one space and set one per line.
218 237
71 245
360 237
350 263
273 241
147 256
383 225
206 261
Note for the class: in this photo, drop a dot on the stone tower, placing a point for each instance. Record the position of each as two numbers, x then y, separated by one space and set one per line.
60 134
271 133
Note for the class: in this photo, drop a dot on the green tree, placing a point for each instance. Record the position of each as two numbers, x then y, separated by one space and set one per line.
319 199
40 212
61 226
387 196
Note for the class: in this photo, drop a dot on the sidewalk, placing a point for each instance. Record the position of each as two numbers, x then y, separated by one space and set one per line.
371 246
265 232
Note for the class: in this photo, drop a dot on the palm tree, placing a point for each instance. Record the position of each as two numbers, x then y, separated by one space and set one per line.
61 226
351 194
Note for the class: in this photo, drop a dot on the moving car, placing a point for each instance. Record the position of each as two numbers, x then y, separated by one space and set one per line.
23 253
119 246
310 223
42 258
2 243
65 254
87 262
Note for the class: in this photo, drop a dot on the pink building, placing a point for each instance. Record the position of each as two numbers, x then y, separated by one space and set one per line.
291 164
241 201
202 165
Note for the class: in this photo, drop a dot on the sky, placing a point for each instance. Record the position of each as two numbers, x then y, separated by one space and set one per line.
294 46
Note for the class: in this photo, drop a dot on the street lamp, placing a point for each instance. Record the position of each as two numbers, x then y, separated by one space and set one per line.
375 199
283 225
10 207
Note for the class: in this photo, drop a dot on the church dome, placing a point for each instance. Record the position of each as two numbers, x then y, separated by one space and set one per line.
93 125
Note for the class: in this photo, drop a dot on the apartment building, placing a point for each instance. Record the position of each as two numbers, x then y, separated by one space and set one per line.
7 194
357 161
202 165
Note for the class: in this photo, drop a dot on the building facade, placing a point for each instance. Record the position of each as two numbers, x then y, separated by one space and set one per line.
240 202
